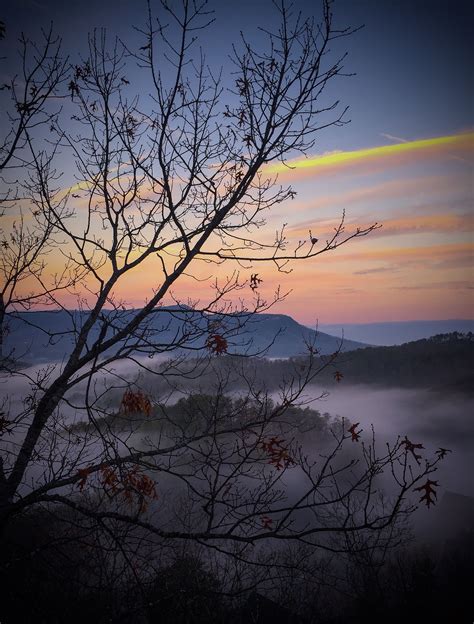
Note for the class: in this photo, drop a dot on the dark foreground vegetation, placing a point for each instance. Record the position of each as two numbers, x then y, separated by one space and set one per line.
49 575
57 567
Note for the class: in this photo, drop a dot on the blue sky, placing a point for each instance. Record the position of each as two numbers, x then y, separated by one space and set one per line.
412 58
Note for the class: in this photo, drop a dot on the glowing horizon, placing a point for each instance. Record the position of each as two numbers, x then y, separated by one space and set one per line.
406 268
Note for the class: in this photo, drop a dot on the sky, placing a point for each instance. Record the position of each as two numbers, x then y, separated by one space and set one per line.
405 161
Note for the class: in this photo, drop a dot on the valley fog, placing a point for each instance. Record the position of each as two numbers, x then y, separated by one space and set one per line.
427 417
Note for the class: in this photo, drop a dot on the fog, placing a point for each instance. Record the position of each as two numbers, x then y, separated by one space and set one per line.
433 419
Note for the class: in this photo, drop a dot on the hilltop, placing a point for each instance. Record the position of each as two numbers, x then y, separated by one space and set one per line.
45 336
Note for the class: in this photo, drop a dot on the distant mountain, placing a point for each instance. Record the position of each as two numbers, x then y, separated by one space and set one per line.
397 332
288 338
40 337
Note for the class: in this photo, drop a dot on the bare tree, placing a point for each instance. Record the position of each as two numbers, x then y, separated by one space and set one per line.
29 105
27 95
168 181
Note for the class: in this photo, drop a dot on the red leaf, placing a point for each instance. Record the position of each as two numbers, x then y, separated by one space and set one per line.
131 485
410 447
429 495
217 344
83 473
135 402
278 454
355 434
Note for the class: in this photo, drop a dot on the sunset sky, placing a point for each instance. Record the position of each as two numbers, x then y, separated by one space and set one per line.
404 161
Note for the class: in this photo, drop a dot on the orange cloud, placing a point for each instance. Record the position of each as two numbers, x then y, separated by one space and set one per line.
431 282
423 186
429 253
417 224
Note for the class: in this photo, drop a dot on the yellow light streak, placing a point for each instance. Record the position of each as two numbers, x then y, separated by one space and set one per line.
465 140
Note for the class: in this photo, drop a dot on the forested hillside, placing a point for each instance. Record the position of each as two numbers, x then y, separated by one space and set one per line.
443 362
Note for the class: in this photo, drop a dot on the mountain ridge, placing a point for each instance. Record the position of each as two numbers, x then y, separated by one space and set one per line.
48 335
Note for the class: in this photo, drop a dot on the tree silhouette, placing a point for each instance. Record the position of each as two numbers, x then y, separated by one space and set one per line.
27 104
166 183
